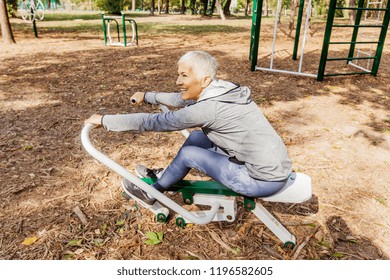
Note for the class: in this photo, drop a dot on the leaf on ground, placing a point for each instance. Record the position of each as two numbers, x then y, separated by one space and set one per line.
30 240
151 235
338 255
120 222
154 238
75 242
235 250
152 241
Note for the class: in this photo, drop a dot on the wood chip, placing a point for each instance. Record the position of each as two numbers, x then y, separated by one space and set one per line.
80 215
273 253
219 241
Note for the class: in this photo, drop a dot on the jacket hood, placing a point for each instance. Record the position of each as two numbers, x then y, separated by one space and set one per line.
226 92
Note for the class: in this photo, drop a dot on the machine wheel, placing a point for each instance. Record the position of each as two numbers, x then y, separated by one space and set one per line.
161 217
180 222
289 244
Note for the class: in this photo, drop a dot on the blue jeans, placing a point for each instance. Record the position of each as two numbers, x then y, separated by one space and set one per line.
200 153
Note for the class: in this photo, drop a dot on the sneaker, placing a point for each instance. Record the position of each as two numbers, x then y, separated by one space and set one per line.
144 172
132 190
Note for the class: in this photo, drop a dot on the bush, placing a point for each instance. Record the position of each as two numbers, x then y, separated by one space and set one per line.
12 6
111 6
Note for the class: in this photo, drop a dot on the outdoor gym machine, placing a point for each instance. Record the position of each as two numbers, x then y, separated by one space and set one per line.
31 10
374 39
255 36
108 41
220 199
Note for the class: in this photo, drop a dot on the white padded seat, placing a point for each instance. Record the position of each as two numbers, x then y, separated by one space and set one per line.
297 190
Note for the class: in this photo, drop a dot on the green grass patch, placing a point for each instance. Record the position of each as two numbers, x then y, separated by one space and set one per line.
85 16
143 28
78 28
187 29
71 16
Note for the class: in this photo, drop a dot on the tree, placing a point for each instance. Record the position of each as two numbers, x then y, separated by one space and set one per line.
219 6
212 8
5 25
226 8
192 7
279 12
294 7
12 7
247 7
152 8
266 8
352 13
183 7
167 7
204 2
111 6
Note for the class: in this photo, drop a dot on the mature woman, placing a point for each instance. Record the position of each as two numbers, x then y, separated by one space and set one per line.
237 146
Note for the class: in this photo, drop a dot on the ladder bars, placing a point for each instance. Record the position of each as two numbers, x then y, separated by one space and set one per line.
380 42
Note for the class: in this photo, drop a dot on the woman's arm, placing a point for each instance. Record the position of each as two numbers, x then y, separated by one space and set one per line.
197 115
170 99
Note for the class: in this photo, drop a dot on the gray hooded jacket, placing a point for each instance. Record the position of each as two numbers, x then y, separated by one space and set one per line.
229 118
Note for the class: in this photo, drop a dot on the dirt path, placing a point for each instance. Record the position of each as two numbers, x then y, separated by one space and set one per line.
337 132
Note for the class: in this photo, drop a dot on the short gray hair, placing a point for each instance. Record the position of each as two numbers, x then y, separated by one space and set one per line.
202 63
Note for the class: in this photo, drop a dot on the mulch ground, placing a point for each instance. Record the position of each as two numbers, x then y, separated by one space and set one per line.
46 175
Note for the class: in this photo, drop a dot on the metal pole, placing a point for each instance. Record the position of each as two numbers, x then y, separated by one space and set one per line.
355 30
255 32
136 29
382 38
104 30
123 172
35 28
287 72
33 22
298 29
308 14
124 30
325 45
275 29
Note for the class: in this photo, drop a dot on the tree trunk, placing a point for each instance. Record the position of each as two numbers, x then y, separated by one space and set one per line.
152 7
183 7
212 8
167 7
219 6
159 7
247 8
266 8
294 7
6 30
204 7
226 8
352 13
133 5
279 13
192 7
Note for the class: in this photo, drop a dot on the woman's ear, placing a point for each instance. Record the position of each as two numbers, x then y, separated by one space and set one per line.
206 80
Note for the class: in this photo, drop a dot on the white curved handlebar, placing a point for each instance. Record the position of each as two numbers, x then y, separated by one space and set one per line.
143 185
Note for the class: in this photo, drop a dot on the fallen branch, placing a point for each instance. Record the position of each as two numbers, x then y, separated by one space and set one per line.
272 252
303 244
219 241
